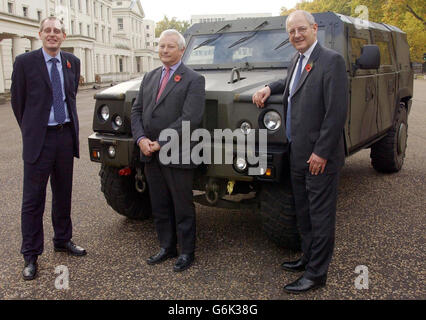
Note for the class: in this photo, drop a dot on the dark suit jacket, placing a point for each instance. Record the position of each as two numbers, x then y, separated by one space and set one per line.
318 109
32 98
182 100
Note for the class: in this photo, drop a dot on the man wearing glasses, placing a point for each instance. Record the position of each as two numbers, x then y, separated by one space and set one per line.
315 98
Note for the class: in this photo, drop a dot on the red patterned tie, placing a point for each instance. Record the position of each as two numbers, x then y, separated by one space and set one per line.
163 83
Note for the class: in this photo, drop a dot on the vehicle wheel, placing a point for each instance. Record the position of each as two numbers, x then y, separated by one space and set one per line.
120 193
387 155
279 215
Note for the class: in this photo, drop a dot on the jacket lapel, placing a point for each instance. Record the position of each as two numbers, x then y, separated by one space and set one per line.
65 72
289 76
314 56
43 68
170 84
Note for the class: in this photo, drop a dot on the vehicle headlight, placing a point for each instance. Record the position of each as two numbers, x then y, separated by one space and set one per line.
118 121
245 127
272 120
105 113
111 152
240 164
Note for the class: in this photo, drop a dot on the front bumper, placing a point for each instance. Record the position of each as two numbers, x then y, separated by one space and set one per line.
99 144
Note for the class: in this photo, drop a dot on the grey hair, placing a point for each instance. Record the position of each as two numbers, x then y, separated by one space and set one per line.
308 16
52 18
181 39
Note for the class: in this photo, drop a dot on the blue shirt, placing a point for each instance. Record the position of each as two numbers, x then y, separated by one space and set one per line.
172 70
47 57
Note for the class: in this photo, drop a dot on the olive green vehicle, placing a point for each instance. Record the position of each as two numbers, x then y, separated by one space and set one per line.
237 58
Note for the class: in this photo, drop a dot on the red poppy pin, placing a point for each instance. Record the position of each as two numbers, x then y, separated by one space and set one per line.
68 65
309 67
177 78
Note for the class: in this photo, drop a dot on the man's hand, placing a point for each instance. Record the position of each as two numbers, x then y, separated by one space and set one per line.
155 146
145 146
260 97
316 164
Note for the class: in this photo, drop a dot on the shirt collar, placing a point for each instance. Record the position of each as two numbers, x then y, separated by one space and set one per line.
174 67
47 56
308 52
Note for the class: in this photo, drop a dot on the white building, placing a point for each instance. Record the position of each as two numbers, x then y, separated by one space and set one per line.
111 38
202 18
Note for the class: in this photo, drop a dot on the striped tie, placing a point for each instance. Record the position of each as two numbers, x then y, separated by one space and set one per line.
163 83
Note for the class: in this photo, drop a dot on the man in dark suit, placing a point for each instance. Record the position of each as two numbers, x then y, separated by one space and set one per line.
44 88
315 98
169 95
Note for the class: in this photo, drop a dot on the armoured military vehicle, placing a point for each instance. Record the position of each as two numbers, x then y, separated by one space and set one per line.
237 58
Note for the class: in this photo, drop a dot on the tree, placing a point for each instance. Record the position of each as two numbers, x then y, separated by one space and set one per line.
407 15
173 23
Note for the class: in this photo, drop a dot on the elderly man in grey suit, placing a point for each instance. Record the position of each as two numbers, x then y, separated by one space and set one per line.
315 98
168 96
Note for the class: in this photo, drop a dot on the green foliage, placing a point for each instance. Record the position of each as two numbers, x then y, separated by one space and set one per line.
408 15
172 23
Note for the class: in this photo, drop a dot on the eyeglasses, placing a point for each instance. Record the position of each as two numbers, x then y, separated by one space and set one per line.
301 30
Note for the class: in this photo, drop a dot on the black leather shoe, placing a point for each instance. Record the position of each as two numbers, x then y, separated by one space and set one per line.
30 271
161 256
71 248
304 284
294 266
183 262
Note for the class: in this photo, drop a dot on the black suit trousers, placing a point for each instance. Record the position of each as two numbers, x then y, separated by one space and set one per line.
172 204
315 200
56 161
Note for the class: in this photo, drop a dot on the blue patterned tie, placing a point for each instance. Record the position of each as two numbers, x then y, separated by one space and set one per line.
58 98
295 83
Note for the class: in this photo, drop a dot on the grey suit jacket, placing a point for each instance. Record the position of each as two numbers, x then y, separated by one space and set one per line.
319 109
183 99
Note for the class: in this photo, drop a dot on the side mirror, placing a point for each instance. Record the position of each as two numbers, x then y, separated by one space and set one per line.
370 57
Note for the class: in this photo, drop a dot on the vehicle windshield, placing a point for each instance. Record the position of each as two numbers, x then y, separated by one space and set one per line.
270 46
263 48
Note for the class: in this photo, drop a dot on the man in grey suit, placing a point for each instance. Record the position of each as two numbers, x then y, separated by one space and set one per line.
168 96
315 99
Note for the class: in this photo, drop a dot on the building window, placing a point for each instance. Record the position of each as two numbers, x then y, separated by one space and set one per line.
87 7
147 27
25 11
80 28
10 7
120 24
88 30
39 14
120 61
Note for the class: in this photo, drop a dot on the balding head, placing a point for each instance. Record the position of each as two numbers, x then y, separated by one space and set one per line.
302 30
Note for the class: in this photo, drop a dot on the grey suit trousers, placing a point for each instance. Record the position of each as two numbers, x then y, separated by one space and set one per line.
315 200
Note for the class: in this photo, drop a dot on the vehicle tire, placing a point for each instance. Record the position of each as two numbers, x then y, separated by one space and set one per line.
279 215
387 155
120 193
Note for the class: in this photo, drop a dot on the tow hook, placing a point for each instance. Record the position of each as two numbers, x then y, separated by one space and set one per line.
140 181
